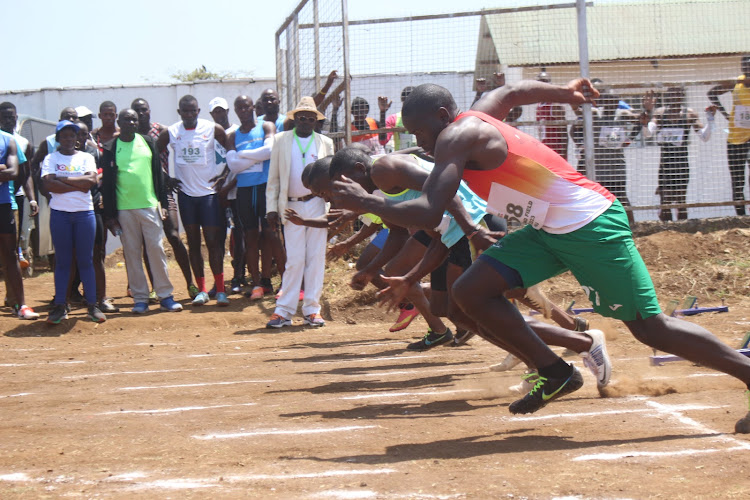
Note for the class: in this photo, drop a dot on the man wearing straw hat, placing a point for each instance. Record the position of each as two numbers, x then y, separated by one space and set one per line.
305 246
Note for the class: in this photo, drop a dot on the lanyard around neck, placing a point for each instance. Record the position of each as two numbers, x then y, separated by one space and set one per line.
304 152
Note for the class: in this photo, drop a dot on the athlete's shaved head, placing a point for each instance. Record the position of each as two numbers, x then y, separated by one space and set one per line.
426 112
187 99
346 159
428 98
315 177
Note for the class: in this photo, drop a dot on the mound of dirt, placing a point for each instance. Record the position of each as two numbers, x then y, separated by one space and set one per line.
712 267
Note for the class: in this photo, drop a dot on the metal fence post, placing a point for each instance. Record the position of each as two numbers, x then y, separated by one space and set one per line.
347 76
588 124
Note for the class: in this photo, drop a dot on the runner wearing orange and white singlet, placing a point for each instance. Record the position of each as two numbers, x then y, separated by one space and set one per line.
570 223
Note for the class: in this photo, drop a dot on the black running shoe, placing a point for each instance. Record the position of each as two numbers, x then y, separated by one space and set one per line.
546 390
58 313
96 315
461 337
430 340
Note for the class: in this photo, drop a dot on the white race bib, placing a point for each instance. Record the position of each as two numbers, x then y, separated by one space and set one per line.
516 206
190 153
671 136
612 137
742 116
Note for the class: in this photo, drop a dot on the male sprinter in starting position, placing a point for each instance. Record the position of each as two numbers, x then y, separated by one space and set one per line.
571 223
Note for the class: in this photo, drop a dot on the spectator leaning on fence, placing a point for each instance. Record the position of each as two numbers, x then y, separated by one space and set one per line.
305 246
554 136
671 124
401 140
738 140
360 122
134 196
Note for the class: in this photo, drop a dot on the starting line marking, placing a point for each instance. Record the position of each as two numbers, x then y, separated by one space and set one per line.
275 432
654 454
109 374
675 412
173 386
608 412
172 410
20 394
402 394
10 365
17 476
385 358
431 371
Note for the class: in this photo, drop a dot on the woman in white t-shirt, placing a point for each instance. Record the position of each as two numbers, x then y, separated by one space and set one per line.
68 175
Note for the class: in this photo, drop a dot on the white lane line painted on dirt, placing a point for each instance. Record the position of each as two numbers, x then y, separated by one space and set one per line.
693 375
354 494
42 363
109 374
171 410
605 412
222 354
310 475
16 476
145 387
384 358
402 394
653 454
127 476
190 483
346 495
416 370
19 395
275 432
176 484
140 344
675 413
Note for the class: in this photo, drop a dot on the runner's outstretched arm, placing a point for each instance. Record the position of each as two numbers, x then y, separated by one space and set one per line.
500 101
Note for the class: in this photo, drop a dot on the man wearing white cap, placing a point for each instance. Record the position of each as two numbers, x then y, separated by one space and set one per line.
305 246
218 107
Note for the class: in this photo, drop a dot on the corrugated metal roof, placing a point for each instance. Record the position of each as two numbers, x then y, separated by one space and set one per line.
627 30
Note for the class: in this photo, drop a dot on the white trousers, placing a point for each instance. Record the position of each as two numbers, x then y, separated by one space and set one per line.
305 258
139 226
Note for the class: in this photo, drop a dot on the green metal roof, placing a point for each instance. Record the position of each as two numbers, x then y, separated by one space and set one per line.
622 30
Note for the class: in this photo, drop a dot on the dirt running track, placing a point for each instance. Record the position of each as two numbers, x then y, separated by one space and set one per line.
208 404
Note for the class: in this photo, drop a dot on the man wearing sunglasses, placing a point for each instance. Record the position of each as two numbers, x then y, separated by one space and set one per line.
305 246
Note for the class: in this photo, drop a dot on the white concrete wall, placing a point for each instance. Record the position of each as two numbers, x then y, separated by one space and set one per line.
709 180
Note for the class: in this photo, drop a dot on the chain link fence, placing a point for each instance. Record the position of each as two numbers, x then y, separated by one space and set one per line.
656 142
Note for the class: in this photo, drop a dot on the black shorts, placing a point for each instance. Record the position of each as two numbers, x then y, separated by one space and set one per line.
203 211
459 255
7 219
251 205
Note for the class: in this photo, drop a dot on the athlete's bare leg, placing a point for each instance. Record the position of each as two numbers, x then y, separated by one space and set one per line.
479 292
692 342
